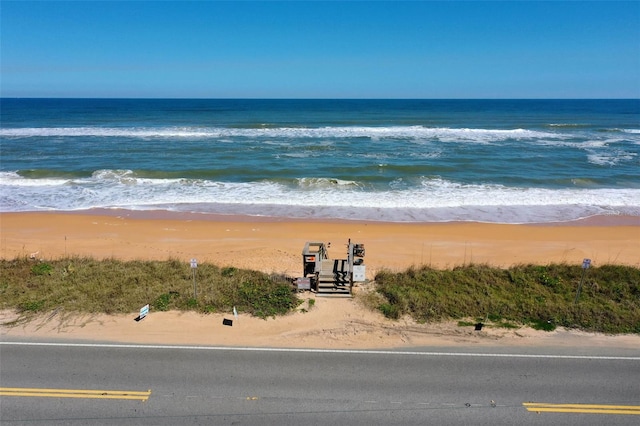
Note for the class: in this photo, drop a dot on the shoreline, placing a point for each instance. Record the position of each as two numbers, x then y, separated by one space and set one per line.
155 214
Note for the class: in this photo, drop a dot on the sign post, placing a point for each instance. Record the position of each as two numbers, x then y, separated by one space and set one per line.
585 265
194 266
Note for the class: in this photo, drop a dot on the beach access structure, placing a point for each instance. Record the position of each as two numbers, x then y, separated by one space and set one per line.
326 276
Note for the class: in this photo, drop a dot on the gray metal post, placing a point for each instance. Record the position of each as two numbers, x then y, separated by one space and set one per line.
194 266
585 265
350 262
195 288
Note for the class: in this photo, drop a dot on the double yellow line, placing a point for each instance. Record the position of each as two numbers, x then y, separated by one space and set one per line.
541 407
76 393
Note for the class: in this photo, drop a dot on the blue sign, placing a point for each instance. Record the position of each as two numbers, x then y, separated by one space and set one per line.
144 311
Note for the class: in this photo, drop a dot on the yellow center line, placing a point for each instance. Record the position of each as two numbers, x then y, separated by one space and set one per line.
582 408
76 393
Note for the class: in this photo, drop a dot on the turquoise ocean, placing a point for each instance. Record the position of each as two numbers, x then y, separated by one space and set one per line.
502 161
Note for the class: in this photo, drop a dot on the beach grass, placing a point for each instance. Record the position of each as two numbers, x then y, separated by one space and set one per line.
80 284
541 296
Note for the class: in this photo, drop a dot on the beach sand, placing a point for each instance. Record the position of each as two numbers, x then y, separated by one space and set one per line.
275 245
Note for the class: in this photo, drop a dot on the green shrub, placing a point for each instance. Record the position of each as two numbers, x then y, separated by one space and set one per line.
508 325
228 271
264 300
542 325
162 302
389 310
42 269
31 306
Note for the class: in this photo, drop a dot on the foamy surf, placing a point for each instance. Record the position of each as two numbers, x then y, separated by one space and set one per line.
402 160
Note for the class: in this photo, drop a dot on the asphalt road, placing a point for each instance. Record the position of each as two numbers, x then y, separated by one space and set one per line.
87 384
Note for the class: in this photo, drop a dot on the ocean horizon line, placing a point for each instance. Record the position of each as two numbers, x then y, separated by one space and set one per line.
160 98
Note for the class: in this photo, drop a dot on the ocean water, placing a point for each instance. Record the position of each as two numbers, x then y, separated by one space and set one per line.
504 161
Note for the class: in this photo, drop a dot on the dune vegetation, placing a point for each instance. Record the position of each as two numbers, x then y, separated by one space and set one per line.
541 296
115 286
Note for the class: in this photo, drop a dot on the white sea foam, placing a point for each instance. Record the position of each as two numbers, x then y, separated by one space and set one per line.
587 144
610 158
325 183
569 125
403 132
13 179
434 199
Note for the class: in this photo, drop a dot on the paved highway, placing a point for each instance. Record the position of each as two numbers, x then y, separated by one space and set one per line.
155 385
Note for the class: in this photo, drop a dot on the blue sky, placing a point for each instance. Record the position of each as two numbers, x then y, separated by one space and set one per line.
299 49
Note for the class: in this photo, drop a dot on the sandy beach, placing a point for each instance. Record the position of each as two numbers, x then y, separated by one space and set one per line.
275 245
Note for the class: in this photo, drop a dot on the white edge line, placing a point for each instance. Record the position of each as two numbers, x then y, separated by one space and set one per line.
331 351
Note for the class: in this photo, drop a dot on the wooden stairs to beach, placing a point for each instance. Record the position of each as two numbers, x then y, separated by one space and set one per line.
333 278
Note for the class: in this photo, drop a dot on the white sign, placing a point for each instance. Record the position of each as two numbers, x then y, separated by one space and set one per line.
359 273
586 263
194 263
303 283
144 311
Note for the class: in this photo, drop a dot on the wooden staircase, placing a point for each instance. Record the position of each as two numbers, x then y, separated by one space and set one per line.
333 278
